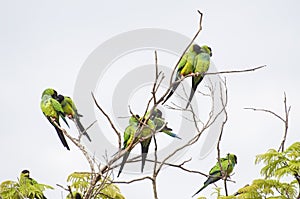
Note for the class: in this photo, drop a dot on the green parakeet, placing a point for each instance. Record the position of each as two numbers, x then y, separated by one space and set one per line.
185 67
53 110
26 181
201 65
70 110
215 174
145 131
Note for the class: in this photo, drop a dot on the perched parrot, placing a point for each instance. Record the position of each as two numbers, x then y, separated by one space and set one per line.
215 173
26 180
184 67
134 126
159 122
52 109
70 110
201 65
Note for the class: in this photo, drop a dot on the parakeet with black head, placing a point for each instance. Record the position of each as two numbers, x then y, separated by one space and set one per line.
201 66
135 125
184 67
71 112
227 164
52 109
26 181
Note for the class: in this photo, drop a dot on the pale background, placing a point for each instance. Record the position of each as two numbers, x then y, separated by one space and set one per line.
44 44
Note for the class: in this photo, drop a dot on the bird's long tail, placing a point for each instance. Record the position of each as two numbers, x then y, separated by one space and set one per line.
204 186
64 119
145 149
62 137
209 181
125 157
174 87
81 128
193 90
168 131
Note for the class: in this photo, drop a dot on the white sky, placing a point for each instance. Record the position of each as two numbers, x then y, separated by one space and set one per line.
44 44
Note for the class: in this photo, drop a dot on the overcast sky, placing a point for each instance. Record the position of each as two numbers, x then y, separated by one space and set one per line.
45 44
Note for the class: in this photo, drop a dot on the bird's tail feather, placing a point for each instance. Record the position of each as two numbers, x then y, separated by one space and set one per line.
193 90
174 87
125 157
145 150
81 128
171 134
62 137
64 119
204 186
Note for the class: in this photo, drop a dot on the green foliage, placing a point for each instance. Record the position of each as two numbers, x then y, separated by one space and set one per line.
280 164
9 190
276 166
22 189
104 189
267 188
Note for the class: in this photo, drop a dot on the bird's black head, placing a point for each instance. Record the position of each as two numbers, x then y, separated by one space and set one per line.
60 98
210 54
25 171
54 95
196 48
158 113
235 159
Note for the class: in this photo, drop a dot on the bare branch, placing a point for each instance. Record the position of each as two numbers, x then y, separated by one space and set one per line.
234 71
285 120
78 144
134 180
109 120
265 110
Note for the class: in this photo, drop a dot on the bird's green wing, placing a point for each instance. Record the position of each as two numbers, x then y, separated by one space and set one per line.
189 64
216 169
58 108
129 135
182 62
56 105
128 138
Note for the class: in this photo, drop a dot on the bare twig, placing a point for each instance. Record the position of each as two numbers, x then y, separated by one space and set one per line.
109 120
134 180
233 71
191 42
85 130
79 145
285 120
154 174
